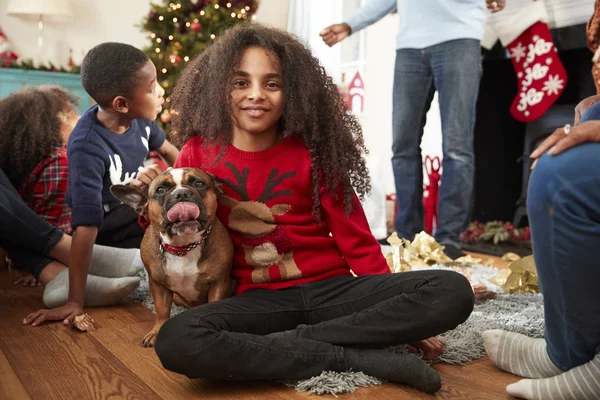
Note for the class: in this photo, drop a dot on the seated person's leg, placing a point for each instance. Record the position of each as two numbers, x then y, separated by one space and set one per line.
36 264
20 225
564 214
564 211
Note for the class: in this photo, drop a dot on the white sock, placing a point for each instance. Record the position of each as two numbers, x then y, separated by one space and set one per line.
579 383
99 291
519 354
112 262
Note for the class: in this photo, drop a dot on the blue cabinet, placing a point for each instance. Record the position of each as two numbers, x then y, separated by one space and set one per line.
13 79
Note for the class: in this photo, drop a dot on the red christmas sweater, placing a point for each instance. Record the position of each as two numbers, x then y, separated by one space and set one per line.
266 206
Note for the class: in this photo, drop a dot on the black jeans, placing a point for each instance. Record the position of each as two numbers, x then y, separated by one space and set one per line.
299 332
26 237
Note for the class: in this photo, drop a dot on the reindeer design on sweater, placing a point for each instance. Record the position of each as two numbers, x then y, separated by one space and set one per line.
264 242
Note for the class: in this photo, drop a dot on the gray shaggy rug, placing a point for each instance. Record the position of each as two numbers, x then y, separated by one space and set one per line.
521 313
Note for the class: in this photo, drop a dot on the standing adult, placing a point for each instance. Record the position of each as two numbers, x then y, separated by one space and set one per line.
437 48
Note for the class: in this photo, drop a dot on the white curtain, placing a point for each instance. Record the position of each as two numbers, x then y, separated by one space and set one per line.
306 18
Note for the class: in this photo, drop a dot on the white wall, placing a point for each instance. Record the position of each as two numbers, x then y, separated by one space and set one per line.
94 22
273 12
97 21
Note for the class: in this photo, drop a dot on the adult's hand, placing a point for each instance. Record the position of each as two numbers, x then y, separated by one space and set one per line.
335 33
559 141
495 5
583 106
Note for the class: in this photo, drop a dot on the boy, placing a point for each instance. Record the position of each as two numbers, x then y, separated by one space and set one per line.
108 146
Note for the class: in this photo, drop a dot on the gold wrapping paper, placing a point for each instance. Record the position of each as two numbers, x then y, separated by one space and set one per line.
500 279
523 277
511 257
519 277
397 259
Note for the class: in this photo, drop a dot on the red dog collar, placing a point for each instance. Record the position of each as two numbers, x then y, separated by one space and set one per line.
182 251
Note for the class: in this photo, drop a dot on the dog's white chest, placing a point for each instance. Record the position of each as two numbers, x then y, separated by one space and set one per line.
181 266
183 274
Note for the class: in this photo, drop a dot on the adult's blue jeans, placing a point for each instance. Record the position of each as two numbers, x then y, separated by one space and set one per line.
452 68
563 203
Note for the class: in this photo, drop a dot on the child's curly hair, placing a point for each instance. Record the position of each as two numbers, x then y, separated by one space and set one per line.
30 124
312 108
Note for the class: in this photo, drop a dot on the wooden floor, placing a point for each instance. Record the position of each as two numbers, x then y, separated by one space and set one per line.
55 362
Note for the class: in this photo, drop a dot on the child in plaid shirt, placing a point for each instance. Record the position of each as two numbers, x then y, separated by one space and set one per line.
36 124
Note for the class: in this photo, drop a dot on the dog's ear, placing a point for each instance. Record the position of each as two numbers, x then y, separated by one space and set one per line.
218 186
134 197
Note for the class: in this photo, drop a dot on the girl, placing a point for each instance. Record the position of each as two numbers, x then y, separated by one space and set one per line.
290 158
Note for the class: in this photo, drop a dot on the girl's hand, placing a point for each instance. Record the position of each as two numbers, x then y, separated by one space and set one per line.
430 349
66 313
558 142
27 280
147 175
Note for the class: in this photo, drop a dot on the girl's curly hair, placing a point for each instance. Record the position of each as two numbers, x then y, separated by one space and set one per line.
30 123
312 108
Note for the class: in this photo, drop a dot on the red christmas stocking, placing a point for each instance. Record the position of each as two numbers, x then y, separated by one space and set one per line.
540 74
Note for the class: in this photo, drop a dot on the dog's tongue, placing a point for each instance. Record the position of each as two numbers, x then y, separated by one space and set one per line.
182 212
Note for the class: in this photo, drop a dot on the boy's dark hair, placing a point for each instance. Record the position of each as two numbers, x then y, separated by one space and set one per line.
312 108
30 123
109 70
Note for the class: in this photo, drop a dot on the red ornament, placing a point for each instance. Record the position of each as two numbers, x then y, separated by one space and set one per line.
7 56
174 58
196 26
70 63
430 202
165 117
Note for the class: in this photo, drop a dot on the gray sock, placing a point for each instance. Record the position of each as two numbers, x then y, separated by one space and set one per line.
112 262
400 368
519 354
99 291
582 382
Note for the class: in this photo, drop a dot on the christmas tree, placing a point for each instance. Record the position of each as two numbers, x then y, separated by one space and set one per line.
181 29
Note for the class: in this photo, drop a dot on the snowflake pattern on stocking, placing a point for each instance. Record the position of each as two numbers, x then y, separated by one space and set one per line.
518 52
553 85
